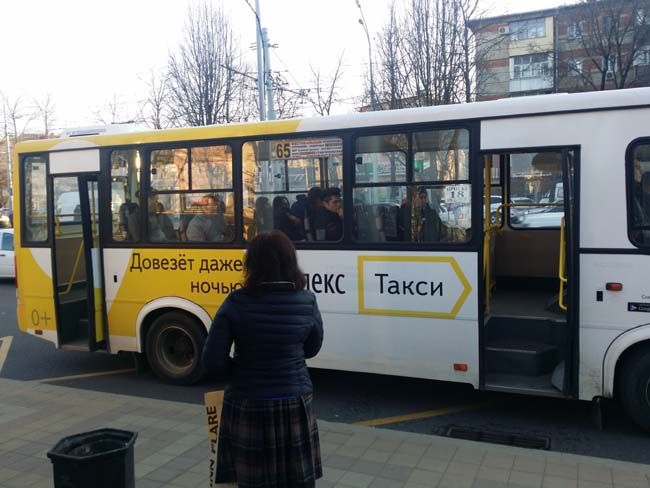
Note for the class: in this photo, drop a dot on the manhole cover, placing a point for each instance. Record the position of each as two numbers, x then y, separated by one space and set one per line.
504 438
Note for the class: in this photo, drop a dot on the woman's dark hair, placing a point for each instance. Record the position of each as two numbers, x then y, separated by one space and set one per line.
271 257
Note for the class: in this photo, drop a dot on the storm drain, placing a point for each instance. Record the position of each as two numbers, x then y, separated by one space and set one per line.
503 438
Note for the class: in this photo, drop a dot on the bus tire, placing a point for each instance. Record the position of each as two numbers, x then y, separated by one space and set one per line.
635 387
174 345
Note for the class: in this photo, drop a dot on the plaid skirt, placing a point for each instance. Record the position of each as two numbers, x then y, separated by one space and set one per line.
269 443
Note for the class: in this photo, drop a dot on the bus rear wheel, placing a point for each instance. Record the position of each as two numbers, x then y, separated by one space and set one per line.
635 387
174 344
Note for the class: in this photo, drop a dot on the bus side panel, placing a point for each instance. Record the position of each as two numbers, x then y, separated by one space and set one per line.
398 313
603 321
410 314
36 292
136 277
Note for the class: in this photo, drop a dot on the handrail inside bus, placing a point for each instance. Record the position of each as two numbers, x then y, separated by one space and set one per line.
496 227
562 267
74 269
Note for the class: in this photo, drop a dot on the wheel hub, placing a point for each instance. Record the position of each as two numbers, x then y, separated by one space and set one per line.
176 349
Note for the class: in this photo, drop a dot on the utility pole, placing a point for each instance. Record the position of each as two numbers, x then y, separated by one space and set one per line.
261 71
270 111
363 23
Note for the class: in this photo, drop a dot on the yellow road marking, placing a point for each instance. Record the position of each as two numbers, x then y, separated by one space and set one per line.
418 415
5 344
86 375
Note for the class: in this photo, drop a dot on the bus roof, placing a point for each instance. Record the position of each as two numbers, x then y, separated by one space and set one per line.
508 107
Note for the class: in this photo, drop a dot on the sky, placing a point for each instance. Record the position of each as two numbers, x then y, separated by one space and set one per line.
87 54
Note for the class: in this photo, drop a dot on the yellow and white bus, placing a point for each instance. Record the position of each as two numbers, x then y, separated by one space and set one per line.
130 242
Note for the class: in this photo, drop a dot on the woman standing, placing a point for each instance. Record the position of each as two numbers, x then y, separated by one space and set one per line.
268 435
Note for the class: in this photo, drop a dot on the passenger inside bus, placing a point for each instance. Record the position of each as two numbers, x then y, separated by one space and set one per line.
426 223
210 224
130 219
285 221
332 214
263 215
156 233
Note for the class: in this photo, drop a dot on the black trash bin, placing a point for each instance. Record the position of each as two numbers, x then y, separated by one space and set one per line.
99 459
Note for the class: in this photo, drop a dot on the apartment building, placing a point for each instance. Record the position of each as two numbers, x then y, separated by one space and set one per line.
594 46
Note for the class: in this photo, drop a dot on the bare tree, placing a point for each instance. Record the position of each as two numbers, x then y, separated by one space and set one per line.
19 117
46 111
288 102
428 56
325 92
393 71
155 111
608 36
114 111
206 72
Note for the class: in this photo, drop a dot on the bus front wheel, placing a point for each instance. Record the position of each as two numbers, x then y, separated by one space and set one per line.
635 387
174 344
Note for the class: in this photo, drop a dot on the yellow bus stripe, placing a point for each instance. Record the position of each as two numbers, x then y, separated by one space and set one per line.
86 375
418 415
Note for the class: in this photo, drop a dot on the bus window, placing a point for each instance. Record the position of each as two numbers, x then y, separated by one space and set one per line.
639 194
294 185
125 195
35 200
391 205
191 197
441 155
536 179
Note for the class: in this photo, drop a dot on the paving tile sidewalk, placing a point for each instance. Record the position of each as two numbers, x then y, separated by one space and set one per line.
171 449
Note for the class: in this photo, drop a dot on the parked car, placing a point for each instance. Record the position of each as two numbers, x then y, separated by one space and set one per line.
541 219
7 264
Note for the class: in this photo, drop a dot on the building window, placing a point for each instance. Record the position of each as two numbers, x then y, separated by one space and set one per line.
610 64
639 195
642 57
527 29
574 30
530 66
610 24
574 67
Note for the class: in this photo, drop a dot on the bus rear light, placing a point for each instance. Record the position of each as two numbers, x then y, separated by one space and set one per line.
15 272
614 287
462 367
38 332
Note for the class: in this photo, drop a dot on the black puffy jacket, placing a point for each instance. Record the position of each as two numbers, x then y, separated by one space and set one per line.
274 332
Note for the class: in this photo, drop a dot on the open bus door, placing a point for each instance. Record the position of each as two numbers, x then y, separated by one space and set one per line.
530 328
77 267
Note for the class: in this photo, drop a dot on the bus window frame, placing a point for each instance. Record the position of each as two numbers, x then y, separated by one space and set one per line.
146 190
474 180
575 149
324 177
348 135
629 177
24 241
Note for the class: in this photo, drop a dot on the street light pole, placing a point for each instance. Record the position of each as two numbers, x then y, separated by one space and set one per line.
261 69
363 23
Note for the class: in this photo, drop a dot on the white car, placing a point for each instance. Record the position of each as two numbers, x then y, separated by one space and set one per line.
7 265
541 220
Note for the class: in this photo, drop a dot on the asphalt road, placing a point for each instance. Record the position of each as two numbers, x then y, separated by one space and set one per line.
396 403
